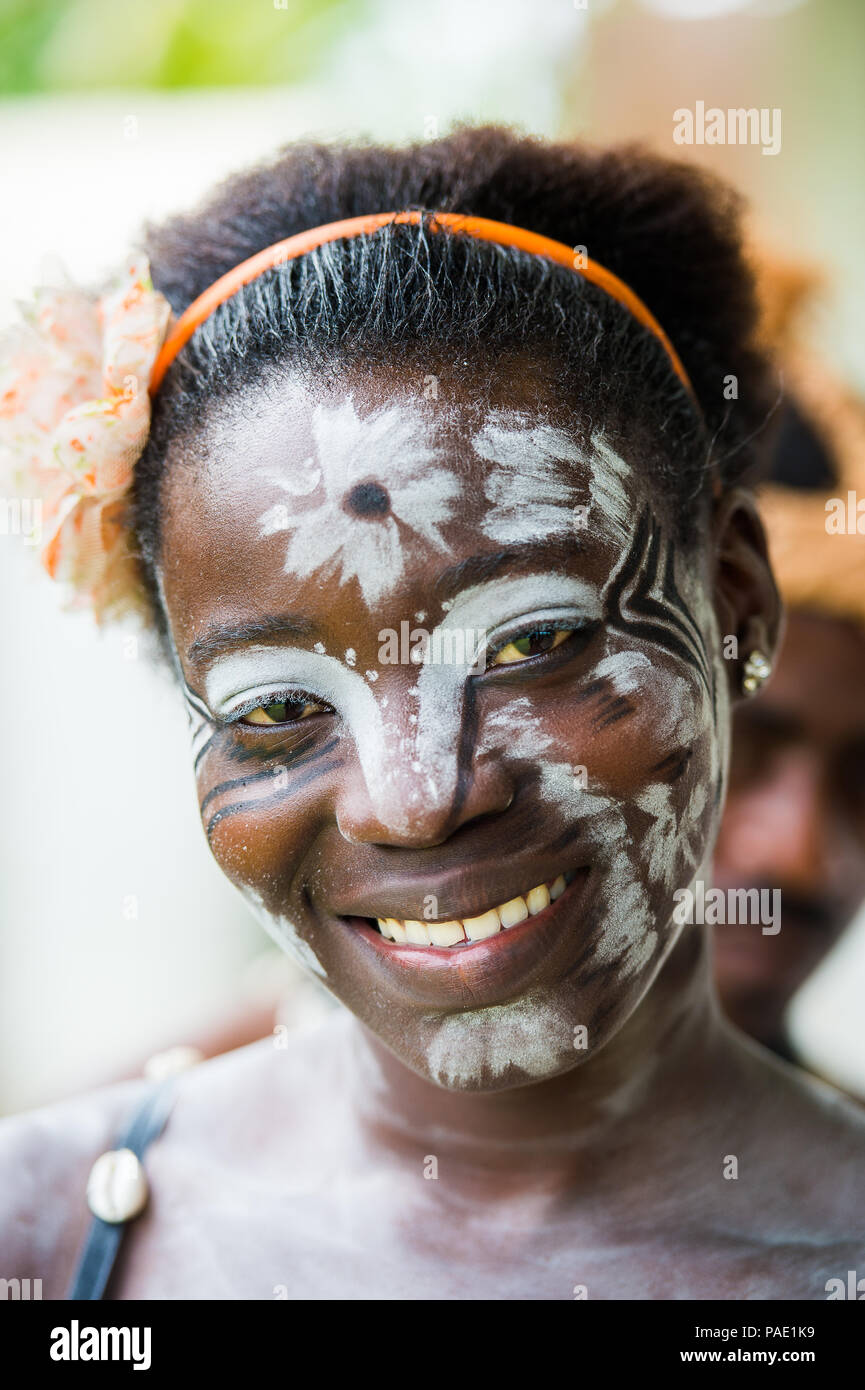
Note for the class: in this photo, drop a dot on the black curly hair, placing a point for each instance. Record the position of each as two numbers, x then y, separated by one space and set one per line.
670 231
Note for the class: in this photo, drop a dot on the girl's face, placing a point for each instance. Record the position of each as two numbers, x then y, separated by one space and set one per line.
447 672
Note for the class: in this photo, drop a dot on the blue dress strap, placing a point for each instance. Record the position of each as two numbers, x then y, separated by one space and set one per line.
103 1237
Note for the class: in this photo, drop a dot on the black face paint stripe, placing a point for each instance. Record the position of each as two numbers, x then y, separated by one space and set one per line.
659 635
611 707
593 688
465 751
675 611
642 564
629 566
650 608
641 602
237 752
197 703
715 693
619 709
199 718
258 755
275 800
296 759
675 764
671 588
196 763
607 695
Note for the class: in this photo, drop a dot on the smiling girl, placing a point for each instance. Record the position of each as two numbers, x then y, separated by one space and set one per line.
491 386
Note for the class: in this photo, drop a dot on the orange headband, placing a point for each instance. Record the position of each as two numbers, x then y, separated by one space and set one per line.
500 233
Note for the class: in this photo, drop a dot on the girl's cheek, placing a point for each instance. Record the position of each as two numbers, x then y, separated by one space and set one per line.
629 723
257 825
648 741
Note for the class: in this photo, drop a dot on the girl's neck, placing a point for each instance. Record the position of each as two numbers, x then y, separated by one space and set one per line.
663 1061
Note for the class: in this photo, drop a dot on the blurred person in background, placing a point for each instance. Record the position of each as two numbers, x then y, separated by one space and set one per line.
795 813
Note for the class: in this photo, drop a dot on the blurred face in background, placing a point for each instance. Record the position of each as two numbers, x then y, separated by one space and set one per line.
795 818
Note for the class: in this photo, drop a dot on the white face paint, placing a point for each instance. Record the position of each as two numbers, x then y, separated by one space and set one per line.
611 497
408 749
414 764
532 1036
200 730
665 854
529 1036
257 672
389 449
516 733
532 489
500 608
284 933
633 673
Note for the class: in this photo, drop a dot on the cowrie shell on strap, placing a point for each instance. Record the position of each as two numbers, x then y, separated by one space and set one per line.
117 1187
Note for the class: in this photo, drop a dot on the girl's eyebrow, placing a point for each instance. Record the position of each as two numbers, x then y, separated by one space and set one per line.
225 637
478 568
220 638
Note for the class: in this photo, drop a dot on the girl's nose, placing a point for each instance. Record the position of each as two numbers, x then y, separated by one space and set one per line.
417 806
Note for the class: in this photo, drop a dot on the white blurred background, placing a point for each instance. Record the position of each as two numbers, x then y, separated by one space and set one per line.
119 935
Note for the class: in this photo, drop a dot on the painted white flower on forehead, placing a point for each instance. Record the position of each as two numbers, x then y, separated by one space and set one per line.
533 489
369 478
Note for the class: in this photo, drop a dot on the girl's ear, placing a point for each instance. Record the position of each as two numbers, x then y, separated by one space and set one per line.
747 602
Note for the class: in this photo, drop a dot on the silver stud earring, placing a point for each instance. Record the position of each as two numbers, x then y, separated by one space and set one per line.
755 673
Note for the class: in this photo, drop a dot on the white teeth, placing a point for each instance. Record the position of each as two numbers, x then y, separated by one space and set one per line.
446 933
538 899
391 928
418 933
489 923
513 912
478 928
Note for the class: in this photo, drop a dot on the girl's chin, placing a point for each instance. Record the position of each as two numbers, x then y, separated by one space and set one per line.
462 1056
524 1042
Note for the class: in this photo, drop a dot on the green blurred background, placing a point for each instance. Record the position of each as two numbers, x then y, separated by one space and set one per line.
405 68
70 45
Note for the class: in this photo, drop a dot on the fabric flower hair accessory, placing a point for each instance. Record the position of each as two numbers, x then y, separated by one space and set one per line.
74 420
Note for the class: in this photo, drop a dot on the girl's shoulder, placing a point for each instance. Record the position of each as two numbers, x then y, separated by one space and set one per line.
46 1156
805 1141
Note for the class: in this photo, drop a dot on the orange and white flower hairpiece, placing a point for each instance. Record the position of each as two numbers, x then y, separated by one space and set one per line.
77 381
74 419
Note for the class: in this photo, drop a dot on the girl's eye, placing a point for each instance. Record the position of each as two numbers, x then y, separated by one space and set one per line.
283 712
540 639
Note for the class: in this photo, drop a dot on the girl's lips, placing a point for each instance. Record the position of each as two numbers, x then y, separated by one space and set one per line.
457 933
477 973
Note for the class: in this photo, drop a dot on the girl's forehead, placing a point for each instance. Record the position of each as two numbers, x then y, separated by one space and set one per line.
327 492
303 437
370 420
